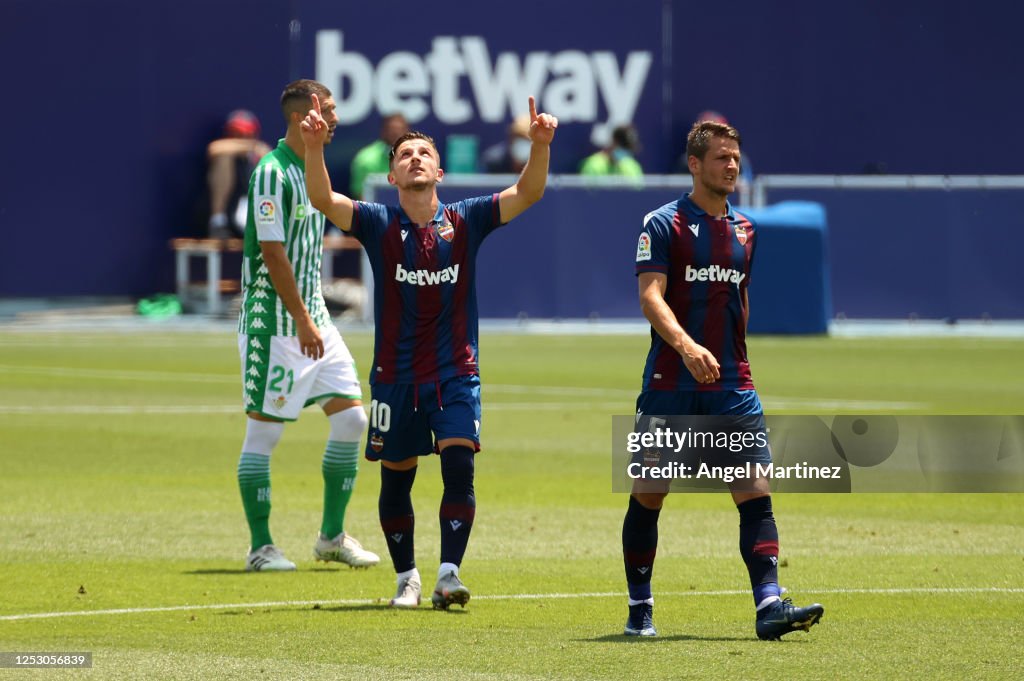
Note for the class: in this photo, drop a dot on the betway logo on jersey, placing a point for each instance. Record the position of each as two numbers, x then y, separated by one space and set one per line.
714 273
448 275
568 84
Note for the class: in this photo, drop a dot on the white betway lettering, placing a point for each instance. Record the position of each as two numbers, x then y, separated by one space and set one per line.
448 275
714 273
569 83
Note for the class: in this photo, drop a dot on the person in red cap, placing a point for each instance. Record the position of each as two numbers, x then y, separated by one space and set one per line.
231 161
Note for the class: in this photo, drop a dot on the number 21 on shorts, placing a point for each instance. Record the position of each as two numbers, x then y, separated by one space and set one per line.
277 376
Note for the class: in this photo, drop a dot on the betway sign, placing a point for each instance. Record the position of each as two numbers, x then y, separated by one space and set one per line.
567 84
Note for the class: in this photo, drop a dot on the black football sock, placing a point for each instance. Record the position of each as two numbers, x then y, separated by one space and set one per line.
639 546
759 547
396 516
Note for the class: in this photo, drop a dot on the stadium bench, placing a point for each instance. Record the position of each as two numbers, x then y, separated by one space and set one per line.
211 289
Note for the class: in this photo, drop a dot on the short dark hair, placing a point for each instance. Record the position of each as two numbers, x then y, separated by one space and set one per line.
411 135
699 139
298 96
626 137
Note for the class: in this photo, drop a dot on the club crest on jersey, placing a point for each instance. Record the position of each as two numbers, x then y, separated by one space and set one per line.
279 401
266 211
446 232
376 443
643 247
741 234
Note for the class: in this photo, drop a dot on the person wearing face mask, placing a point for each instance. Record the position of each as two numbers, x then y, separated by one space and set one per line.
511 155
618 157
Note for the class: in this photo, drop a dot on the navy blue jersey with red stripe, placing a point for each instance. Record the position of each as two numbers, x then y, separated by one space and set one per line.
424 295
707 261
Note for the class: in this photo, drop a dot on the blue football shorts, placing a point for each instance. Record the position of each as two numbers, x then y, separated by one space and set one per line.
407 420
722 428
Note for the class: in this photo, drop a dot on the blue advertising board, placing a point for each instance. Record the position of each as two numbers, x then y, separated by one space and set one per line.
111 104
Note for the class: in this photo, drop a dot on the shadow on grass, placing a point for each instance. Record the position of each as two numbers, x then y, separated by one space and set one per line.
382 606
242 571
622 638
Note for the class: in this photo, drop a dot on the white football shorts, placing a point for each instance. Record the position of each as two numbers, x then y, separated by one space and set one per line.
278 381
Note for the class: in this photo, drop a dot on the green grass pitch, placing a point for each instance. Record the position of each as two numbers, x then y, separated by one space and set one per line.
118 497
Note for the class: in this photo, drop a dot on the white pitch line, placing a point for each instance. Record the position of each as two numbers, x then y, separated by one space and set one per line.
101 409
120 374
622 408
826 405
219 409
502 597
557 390
811 405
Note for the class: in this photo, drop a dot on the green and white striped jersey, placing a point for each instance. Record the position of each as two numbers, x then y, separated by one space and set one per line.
279 210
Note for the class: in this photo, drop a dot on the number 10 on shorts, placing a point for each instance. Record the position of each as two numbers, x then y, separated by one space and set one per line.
380 416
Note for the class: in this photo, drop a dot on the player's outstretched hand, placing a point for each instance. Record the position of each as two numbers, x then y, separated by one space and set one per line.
701 363
313 127
542 126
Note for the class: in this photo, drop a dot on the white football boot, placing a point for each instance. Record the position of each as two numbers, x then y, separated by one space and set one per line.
344 549
266 559
408 594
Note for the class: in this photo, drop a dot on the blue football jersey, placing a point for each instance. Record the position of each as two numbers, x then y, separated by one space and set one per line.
707 261
424 296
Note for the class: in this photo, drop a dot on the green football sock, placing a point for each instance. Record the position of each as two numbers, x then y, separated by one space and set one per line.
254 484
341 461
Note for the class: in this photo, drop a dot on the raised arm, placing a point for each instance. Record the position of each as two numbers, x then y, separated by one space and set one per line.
337 207
530 187
698 359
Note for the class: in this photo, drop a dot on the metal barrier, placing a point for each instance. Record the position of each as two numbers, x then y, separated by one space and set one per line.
764 183
899 246
916 246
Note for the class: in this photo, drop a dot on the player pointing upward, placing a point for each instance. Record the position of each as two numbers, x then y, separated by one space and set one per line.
425 374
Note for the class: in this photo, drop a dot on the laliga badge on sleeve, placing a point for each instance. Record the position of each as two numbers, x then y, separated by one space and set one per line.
643 247
266 212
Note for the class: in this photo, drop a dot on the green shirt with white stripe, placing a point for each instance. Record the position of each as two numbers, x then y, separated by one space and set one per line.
279 210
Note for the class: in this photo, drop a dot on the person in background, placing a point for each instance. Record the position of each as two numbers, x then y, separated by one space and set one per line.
617 158
373 158
511 155
230 161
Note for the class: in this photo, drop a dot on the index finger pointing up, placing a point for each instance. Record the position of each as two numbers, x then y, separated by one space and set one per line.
316 103
533 109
